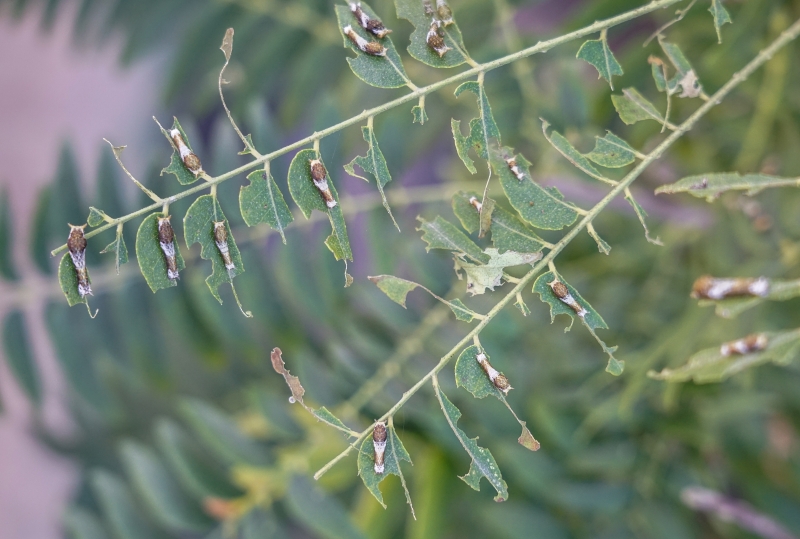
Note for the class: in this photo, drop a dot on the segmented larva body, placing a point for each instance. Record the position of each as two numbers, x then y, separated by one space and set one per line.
512 164
476 203
166 238
372 48
374 26
498 379
76 243
752 343
444 11
320 177
562 292
221 239
708 287
435 40
190 160
379 445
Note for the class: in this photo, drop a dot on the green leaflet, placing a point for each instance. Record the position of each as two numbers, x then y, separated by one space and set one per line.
394 453
96 217
732 307
721 16
466 213
602 245
7 269
19 358
119 249
151 257
538 206
490 274
81 524
508 232
121 514
481 129
442 234
176 166
483 463
633 107
597 53
566 149
379 71
68 279
685 78
414 12
710 186
462 312
592 320
709 365
642 215
325 415
308 198
611 151
373 163
396 288
418 113
262 202
471 377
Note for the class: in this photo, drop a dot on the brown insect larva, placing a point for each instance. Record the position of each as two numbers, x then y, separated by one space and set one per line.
752 343
444 11
476 203
320 177
512 164
373 26
221 239
498 379
76 243
190 160
562 292
435 40
708 287
166 238
370 47
379 444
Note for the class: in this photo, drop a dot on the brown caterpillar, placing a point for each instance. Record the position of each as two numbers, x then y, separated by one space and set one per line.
512 164
562 292
76 243
752 343
190 160
498 379
708 287
373 26
372 48
379 445
166 238
435 40
320 177
221 239
476 203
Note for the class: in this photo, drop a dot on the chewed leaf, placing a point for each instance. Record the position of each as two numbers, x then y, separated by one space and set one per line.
685 79
96 217
396 288
462 312
68 279
150 256
176 166
442 234
385 71
711 365
119 249
394 453
414 12
466 213
566 149
483 463
482 130
324 415
602 245
276 357
419 114
711 185
490 274
642 216
611 151
198 226
732 307
373 163
262 202
597 53
721 16
633 107
471 377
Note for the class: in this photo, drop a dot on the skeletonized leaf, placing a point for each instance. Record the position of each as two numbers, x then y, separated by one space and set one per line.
119 249
482 130
150 256
710 186
442 234
592 319
7 269
721 16
373 163
611 151
68 279
262 202
396 288
19 358
414 12
490 274
538 206
566 149
633 107
732 307
483 463
508 232
394 453
176 166
597 53
710 365
379 71
471 377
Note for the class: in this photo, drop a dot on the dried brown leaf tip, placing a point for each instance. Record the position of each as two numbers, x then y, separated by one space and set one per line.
379 445
514 167
708 287
221 239
320 176
373 48
476 203
76 243
166 238
498 379
292 381
435 40
527 440
444 12
373 26
752 343
190 160
562 292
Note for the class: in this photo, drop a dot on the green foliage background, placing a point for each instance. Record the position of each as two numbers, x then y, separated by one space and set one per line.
174 394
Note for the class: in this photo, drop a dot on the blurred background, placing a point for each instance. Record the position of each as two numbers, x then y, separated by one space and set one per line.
163 417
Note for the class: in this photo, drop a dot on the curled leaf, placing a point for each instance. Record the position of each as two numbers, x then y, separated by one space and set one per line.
276 356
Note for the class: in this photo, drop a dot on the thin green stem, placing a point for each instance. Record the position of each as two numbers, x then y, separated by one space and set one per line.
542 46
